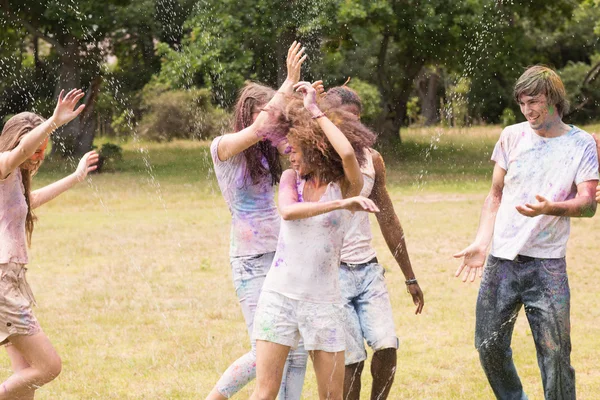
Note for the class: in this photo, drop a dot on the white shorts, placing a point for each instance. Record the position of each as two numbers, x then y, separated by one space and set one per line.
282 320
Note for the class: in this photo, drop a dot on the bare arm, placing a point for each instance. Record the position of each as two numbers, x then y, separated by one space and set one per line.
63 113
598 153
291 209
584 205
392 230
474 254
43 195
353 181
235 143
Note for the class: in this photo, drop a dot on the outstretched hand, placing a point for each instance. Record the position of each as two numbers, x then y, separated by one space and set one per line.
87 164
533 210
472 263
65 110
295 58
359 203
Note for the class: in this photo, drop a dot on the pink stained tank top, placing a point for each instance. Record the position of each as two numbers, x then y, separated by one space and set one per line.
13 212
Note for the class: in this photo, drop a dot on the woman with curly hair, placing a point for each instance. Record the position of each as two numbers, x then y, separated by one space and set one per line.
301 297
23 142
247 167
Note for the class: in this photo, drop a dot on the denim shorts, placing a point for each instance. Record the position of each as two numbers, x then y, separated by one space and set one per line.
367 310
280 319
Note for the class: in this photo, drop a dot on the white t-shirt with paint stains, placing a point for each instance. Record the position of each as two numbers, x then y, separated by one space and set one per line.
307 260
254 216
550 167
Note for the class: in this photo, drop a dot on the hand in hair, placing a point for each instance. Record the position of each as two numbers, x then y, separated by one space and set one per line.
65 110
310 97
294 61
318 86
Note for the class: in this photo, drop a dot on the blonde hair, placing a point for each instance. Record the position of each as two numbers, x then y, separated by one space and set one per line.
14 129
540 79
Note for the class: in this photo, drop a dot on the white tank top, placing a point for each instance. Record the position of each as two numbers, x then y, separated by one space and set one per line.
357 247
307 260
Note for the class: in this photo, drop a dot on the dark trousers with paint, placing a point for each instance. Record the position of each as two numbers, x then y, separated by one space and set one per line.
542 287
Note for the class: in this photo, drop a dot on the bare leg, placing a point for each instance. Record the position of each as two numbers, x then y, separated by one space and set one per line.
18 363
352 382
383 369
43 365
329 368
270 362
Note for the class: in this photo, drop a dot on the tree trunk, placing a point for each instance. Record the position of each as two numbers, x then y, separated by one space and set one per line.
87 122
428 84
64 139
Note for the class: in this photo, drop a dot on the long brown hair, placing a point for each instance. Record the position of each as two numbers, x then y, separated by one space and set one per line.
316 148
252 96
14 129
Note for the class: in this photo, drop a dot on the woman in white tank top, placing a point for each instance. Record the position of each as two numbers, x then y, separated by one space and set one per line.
301 296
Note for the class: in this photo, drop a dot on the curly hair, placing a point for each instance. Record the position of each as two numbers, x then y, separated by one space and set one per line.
251 96
14 129
318 152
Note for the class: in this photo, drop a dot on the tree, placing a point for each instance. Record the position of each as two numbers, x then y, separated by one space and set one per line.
229 41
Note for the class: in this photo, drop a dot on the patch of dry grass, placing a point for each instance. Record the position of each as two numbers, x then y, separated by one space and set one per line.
132 278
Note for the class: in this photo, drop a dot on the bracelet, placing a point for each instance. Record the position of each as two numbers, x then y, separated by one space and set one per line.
412 281
321 114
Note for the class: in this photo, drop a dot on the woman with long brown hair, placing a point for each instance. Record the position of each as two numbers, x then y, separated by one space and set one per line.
22 144
248 167
301 297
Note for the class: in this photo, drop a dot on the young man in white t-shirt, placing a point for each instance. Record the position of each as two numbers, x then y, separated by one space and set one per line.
546 172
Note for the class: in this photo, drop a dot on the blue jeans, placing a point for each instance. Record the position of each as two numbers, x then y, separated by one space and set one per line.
367 309
542 287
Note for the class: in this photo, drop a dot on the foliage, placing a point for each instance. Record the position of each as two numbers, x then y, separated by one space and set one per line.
584 100
508 117
109 155
181 114
370 98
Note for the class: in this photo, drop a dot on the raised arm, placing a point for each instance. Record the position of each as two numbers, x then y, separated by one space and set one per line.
290 208
392 230
43 195
353 177
63 113
474 255
235 143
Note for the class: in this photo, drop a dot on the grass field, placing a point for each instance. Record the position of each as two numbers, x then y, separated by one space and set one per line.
132 278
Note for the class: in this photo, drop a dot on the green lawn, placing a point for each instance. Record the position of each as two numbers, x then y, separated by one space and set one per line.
132 276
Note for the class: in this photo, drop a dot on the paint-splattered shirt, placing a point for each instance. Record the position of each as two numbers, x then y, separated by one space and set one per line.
550 167
307 261
13 212
254 216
